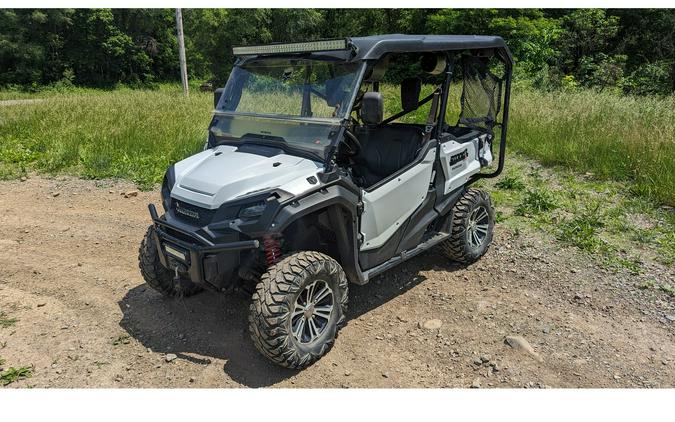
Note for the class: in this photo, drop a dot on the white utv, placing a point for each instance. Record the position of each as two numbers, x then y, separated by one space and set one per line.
305 185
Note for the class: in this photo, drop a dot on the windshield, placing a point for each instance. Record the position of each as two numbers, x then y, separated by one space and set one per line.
286 87
294 104
304 138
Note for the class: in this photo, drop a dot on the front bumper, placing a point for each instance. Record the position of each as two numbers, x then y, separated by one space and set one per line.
207 263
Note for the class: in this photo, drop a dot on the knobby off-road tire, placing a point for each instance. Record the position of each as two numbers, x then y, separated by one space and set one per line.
156 275
473 215
274 319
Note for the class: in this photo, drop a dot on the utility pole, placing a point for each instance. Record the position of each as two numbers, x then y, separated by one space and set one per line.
181 51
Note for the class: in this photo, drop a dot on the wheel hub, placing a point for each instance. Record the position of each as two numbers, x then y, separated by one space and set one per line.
309 312
477 227
312 311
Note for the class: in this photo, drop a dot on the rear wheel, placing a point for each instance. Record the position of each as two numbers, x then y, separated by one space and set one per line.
472 227
159 277
298 308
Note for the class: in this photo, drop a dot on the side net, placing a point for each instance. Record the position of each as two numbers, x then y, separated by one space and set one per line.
481 95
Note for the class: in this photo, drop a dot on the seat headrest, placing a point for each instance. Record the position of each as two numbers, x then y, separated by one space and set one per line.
372 108
410 93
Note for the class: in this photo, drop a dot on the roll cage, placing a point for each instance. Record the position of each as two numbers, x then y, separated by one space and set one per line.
468 53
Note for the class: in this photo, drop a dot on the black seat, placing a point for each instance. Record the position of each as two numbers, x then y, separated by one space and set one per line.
384 149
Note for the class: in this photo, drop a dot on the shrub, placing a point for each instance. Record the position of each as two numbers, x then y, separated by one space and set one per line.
650 78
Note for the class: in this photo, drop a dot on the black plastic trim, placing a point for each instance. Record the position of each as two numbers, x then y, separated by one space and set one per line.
196 250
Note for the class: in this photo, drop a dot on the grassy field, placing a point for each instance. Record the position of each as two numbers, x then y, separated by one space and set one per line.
136 134
126 134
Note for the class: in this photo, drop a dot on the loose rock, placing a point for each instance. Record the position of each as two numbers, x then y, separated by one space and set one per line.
170 357
432 324
519 343
131 194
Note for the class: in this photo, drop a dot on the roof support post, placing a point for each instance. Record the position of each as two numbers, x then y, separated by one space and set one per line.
445 93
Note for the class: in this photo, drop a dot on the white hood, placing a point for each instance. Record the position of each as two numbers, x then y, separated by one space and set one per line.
218 175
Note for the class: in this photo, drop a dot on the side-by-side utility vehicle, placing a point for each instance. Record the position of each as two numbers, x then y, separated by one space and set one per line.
306 183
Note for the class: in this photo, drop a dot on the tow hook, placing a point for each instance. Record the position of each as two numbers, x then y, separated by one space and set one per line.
177 267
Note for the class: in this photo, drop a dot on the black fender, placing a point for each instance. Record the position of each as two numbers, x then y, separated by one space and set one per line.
341 205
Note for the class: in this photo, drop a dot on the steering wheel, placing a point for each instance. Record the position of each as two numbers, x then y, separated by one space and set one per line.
353 145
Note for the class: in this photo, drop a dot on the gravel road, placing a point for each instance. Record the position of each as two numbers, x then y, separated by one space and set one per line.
68 253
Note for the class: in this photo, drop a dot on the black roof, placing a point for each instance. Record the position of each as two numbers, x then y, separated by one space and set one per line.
374 47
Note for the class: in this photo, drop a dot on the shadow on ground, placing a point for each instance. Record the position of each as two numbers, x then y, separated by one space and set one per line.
215 326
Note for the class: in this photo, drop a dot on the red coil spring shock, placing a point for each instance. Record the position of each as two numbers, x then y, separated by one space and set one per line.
272 247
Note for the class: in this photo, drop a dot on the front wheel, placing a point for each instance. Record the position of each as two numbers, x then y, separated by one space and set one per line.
473 222
298 308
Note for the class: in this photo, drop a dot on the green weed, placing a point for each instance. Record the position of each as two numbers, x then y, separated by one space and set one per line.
6 322
582 230
12 374
646 285
536 201
667 288
123 339
632 264
510 182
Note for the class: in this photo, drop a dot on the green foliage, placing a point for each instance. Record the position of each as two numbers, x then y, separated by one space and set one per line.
125 133
646 285
510 182
536 201
123 339
12 374
5 321
136 134
629 49
582 230
611 136
650 78
667 288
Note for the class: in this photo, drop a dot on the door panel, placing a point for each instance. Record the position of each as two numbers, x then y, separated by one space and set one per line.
388 206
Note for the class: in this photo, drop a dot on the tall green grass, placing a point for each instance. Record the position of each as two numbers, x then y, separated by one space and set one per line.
136 134
126 134
614 137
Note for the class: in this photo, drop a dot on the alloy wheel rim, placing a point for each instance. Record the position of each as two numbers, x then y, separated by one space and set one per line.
477 229
312 311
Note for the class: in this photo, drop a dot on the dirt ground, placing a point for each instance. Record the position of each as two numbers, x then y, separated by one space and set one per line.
68 259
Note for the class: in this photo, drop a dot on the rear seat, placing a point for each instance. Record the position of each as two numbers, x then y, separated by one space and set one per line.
384 149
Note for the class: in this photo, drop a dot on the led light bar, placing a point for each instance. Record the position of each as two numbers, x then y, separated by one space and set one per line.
296 47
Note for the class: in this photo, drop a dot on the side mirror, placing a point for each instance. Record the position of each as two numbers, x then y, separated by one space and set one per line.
216 96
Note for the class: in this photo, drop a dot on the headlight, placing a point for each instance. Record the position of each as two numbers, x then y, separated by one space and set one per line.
254 210
167 185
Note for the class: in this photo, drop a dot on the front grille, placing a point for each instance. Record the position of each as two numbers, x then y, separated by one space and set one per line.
192 214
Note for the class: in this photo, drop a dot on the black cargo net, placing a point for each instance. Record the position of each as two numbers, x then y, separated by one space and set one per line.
481 95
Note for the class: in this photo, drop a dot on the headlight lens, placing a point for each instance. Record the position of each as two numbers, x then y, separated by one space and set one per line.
167 185
252 211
